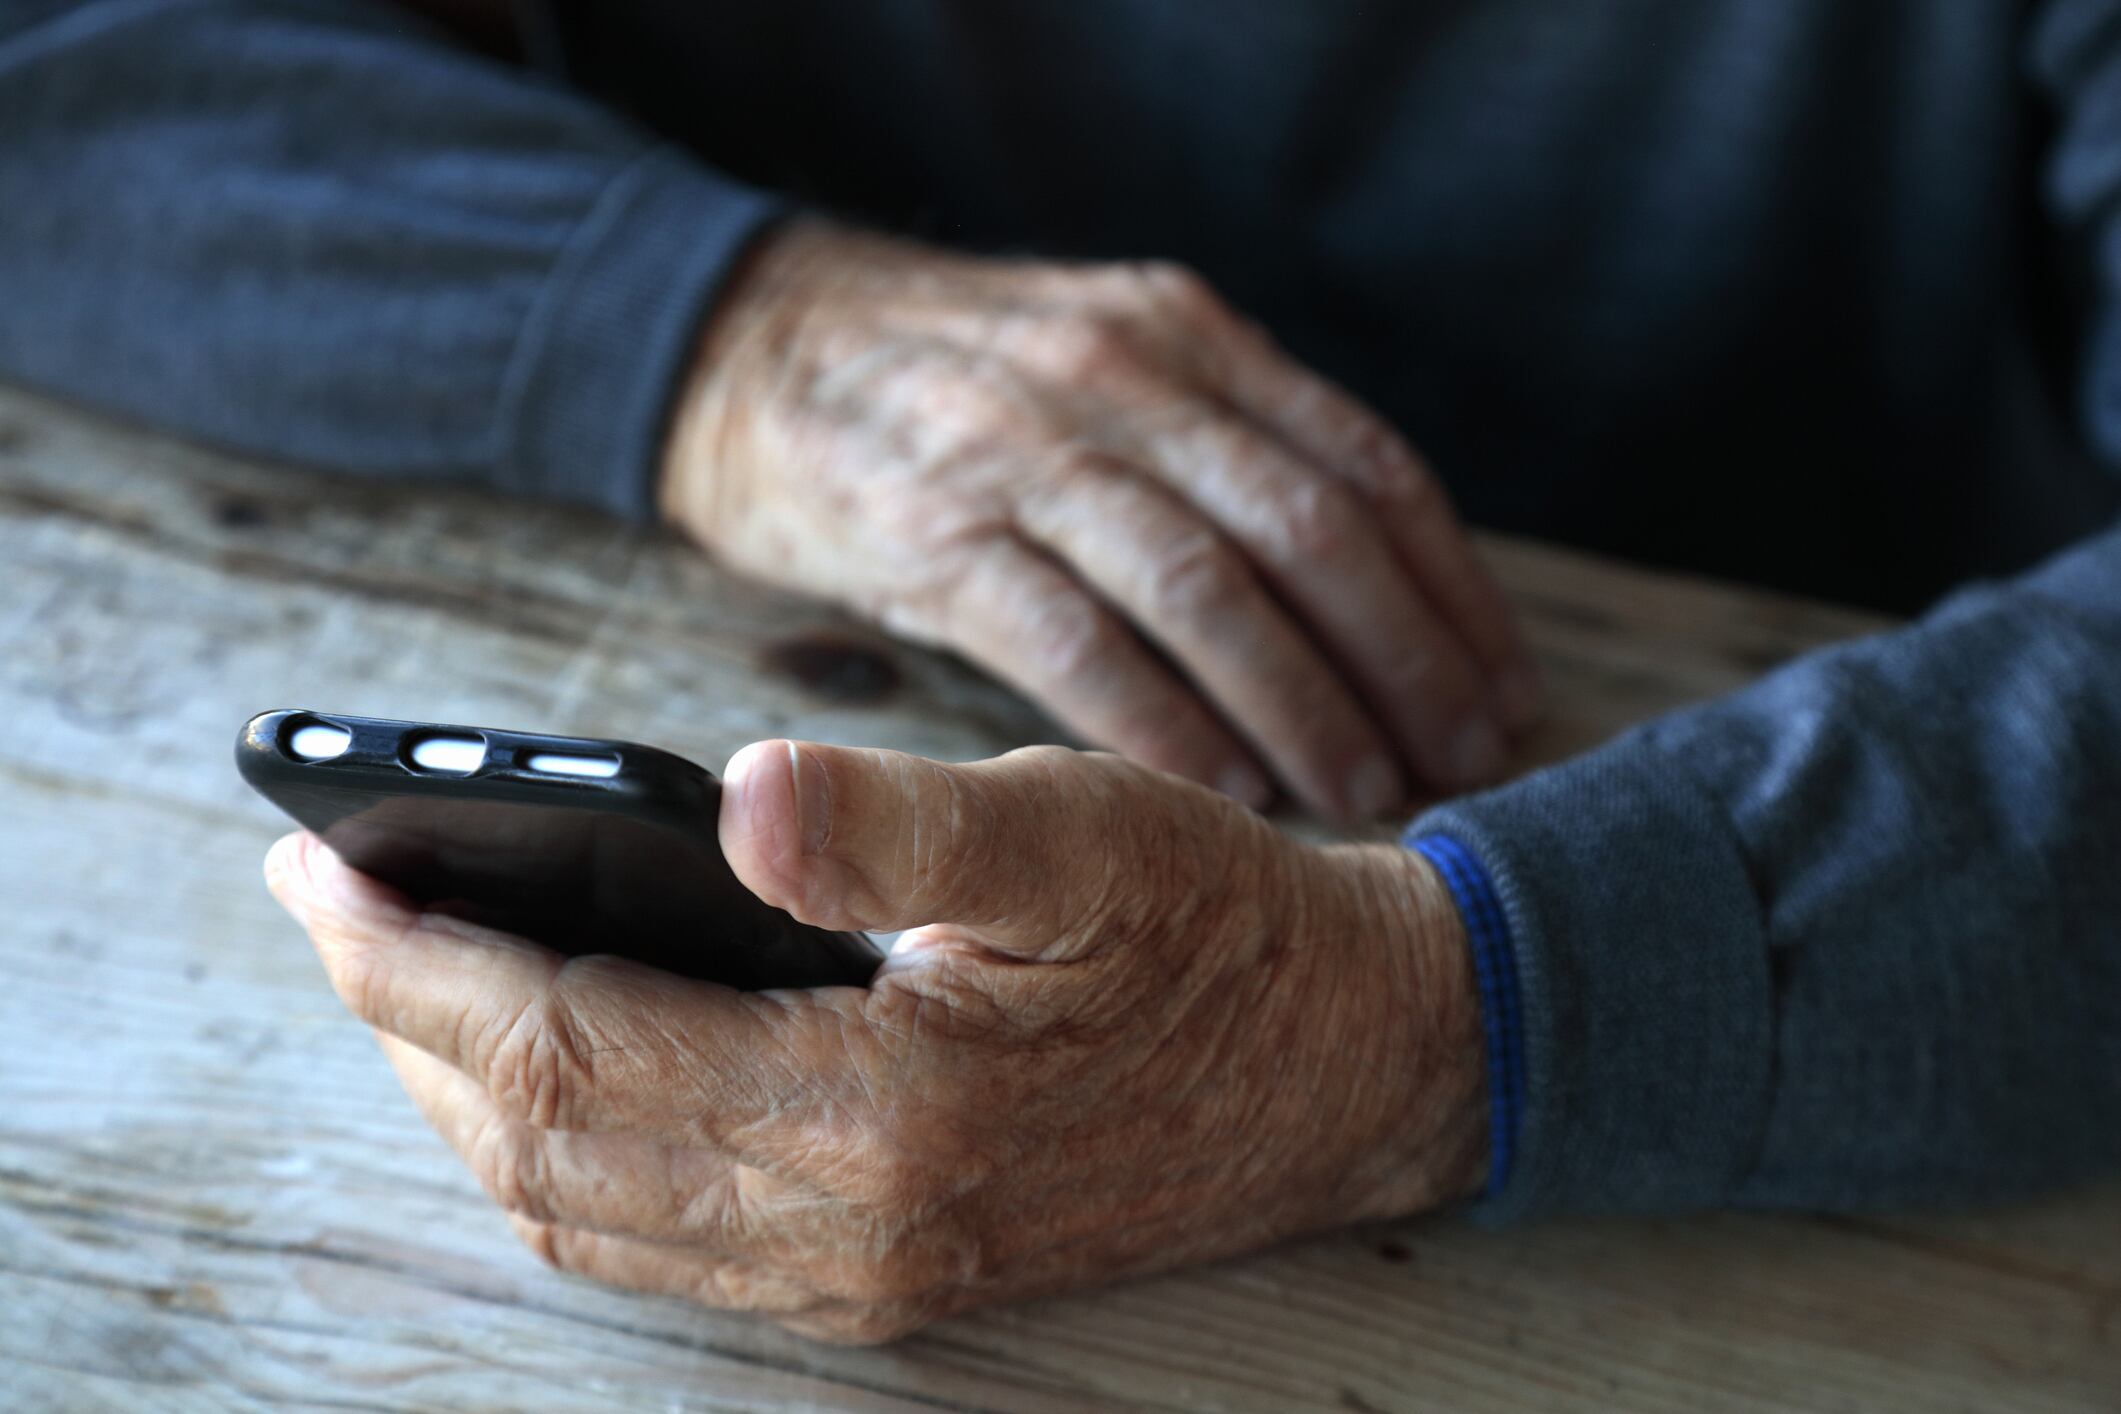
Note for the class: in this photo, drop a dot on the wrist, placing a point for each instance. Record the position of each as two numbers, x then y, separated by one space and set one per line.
699 484
1434 1148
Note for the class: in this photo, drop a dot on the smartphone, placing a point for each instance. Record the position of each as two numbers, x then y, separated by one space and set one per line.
585 846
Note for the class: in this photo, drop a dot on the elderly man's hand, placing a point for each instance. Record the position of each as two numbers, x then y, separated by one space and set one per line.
1101 484
1134 1027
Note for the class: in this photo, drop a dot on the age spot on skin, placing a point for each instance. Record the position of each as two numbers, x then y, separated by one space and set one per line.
834 667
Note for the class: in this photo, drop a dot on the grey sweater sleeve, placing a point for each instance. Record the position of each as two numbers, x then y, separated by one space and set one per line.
317 231
1850 938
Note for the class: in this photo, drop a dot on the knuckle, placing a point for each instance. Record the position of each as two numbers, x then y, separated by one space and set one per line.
974 412
728 1286
537 1070
894 1246
746 1286
1083 466
360 973
891 1183
511 1166
873 1281
1192 573
1091 343
892 1271
545 1243
906 1268
1404 484
902 1244
1420 671
720 1215
1046 757
1178 287
1071 635
358 980
1318 522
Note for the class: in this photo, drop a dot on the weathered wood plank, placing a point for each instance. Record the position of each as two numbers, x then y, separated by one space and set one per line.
212 1193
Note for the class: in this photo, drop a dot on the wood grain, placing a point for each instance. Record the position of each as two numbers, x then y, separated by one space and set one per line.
213 1195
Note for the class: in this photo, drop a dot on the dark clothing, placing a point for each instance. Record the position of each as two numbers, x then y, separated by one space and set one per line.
1811 292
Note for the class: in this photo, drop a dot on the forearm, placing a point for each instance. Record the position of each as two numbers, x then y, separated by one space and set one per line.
319 232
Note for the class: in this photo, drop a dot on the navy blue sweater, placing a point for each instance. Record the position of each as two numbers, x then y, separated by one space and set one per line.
1808 291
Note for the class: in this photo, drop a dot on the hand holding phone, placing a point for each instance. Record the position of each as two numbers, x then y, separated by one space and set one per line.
1131 1024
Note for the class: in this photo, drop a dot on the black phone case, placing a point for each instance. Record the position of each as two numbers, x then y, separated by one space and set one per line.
626 864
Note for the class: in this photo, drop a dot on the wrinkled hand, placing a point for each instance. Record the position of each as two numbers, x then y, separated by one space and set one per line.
1102 485
1134 1027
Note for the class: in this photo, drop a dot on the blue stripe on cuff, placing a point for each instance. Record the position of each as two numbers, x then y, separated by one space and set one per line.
1495 971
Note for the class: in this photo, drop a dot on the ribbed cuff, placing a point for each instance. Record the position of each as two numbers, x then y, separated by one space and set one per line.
589 390
1644 1019
1495 975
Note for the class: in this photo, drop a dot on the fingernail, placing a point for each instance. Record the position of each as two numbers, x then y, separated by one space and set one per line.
1243 783
1375 787
1476 754
1518 693
813 798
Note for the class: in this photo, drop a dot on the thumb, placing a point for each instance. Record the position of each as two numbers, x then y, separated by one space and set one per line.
847 838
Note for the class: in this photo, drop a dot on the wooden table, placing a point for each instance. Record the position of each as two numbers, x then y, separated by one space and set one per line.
212 1193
